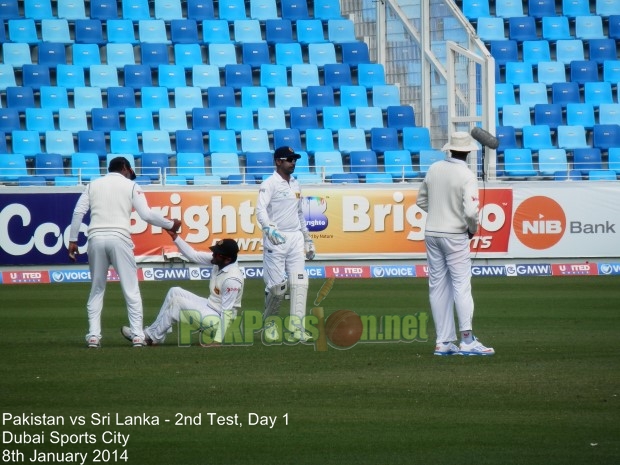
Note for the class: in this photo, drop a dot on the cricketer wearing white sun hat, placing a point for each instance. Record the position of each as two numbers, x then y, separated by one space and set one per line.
449 196
461 142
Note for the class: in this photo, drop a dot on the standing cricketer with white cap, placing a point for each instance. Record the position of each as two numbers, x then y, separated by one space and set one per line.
449 195
286 241
110 200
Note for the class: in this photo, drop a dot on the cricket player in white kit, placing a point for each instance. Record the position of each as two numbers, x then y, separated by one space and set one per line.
110 200
286 241
223 303
449 195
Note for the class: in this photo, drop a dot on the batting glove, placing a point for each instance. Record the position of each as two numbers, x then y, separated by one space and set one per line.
274 236
309 250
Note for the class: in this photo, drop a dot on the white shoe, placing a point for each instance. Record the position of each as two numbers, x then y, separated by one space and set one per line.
271 331
476 348
444 349
93 342
136 341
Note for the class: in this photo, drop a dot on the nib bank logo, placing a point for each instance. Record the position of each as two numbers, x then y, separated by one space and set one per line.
314 213
539 222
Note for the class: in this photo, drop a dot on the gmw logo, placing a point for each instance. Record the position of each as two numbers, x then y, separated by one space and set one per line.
539 222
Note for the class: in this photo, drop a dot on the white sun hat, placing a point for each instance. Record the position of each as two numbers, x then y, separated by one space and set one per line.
461 142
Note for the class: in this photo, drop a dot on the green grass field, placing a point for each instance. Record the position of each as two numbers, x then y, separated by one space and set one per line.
549 396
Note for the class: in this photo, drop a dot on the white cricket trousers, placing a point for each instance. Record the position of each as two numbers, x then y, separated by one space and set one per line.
178 299
280 261
104 251
449 281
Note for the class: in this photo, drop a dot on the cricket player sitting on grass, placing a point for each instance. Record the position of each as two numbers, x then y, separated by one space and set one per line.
224 301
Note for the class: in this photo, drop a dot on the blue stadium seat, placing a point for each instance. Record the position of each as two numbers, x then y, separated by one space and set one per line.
184 31
321 54
587 158
505 93
7 77
571 137
288 54
508 8
383 139
187 98
189 141
518 72
205 119
231 10
519 163
319 96
12 167
48 165
428 157
221 98
200 10
550 72
139 119
9 120
157 141
550 161
103 9
289 137
271 118
85 166
121 31
222 54
352 97
18 54
222 140
522 28
125 141
225 164
336 117
386 95
536 137
516 116
287 97
205 76
215 31
87 98
379 178
171 76
474 9
105 119
255 54
569 50
597 93
26 142
239 118
328 163
40 119
611 71
580 114
541 8
602 175
172 119
605 136
263 9
613 28
583 71
294 9
416 139
103 76
354 53
367 118
20 98
345 178
35 9
400 116
72 119
607 8
304 75
399 165
363 162
564 93
247 31
555 28
370 74
490 28
35 76
85 55
136 9
254 140
309 31
327 9
340 30
72 11
254 97
120 55
155 165
238 76
589 27
319 140
351 139
507 138
574 8
137 76
535 51
613 159
24 31
259 164
168 9
504 51
209 180
304 118
93 142
549 114
187 55
54 97
88 31
272 76
60 142
190 164
601 50
609 113
278 31
154 55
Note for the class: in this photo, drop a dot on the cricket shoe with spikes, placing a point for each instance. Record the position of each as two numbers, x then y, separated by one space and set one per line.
446 348
136 341
475 348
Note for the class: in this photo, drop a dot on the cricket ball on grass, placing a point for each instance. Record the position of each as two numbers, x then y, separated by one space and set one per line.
344 328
